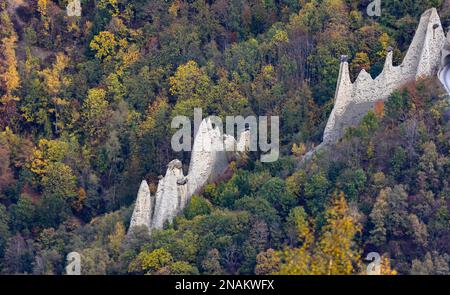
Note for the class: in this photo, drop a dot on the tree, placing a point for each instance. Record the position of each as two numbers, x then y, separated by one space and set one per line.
59 181
181 244
351 182
267 263
377 216
18 256
431 264
6 175
23 213
197 206
104 44
297 227
95 261
181 268
9 75
336 249
55 82
189 82
225 98
47 152
4 230
274 190
261 209
397 106
152 262
385 267
111 5
95 114
211 263
116 238
295 184
52 211
360 62
316 191
42 8
150 144
47 262
301 260
431 167
192 87
419 231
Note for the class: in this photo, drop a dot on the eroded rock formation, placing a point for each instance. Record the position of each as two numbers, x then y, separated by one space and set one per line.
429 51
143 207
210 156
353 100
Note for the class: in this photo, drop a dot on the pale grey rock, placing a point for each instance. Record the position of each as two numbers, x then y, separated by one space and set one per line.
229 143
143 207
210 156
170 196
421 60
243 143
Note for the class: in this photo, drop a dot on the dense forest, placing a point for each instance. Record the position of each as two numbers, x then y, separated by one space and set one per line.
85 110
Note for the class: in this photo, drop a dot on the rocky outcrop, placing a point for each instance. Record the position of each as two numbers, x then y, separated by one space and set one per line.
444 72
142 213
171 195
353 100
210 156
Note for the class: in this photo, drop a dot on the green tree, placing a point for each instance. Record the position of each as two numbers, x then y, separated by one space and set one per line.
351 182
197 206
297 226
182 268
4 230
276 193
211 263
316 192
95 114
95 261
152 262
189 82
52 211
59 180
23 213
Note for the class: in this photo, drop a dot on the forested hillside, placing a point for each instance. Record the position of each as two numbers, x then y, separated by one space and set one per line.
85 110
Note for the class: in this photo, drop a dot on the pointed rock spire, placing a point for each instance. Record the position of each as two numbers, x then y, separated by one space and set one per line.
142 208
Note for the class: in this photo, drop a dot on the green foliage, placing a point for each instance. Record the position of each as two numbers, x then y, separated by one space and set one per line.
197 206
397 106
316 192
274 190
351 182
52 211
23 213
95 261
59 181
154 261
95 113
4 230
